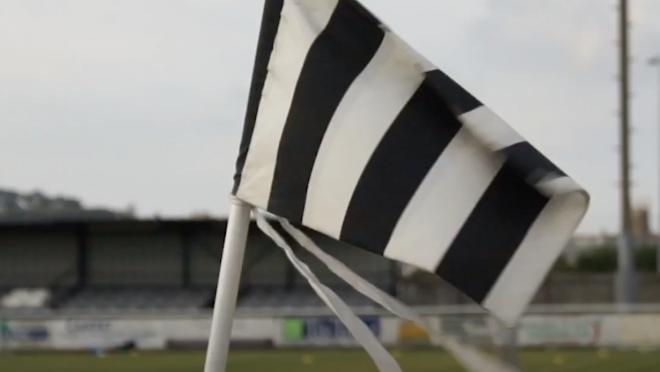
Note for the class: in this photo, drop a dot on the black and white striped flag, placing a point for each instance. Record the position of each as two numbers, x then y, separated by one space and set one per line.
352 133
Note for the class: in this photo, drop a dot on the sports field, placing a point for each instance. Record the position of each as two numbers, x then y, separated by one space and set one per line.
322 361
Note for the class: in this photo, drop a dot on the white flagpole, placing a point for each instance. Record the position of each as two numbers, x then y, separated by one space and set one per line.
227 290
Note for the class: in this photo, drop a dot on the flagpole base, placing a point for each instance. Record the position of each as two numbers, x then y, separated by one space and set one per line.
228 283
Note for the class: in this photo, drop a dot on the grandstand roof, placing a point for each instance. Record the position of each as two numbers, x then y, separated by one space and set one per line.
218 225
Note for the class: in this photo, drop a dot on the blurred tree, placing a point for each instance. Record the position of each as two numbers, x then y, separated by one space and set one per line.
597 260
645 259
604 259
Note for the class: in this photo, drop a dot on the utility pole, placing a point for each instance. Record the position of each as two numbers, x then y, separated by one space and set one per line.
655 62
625 279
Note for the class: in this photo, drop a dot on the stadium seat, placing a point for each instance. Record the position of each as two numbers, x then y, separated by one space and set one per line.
138 299
18 298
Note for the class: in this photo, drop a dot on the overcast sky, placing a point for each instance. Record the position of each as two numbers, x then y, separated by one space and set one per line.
141 102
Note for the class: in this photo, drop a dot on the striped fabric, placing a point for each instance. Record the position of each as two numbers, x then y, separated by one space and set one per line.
352 133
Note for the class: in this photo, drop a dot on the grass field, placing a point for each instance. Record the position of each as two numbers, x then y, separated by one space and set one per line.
322 361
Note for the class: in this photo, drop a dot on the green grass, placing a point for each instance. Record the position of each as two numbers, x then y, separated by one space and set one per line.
322 361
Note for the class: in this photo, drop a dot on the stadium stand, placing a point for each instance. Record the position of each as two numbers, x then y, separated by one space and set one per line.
298 298
135 265
95 298
146 265
105 265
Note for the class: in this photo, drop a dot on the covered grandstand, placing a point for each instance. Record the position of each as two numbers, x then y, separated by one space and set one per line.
72 285
170 265
156 265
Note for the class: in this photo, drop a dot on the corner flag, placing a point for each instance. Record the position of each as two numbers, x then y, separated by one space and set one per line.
352 133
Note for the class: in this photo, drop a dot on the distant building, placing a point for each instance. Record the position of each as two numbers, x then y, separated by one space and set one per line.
641 234
36 206
640 224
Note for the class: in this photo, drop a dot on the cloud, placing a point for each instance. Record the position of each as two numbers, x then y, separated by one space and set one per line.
142 101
